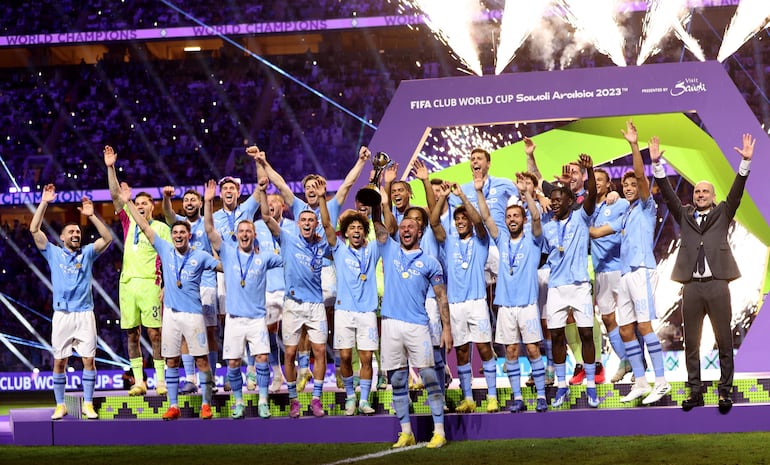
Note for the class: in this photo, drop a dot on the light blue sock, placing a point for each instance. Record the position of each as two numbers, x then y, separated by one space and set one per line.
188 362
549 351
236 383
59 386
318 387
366 388
617 343
263 379
466 378
538 374
89 381
634 356
337 359
172 383
513 370
292 388
350 390
435 395
560 369
656 353
398 381
490 374
590 369
251 360
207 385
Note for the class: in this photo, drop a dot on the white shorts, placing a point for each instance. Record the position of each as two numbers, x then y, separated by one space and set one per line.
470 322
308 314
606 291
209 303
492 265
543 274
274 306
182 324
575 297
73 330
518 324
329 285
240 331
636 299
435 325
356 329
221 305
405 344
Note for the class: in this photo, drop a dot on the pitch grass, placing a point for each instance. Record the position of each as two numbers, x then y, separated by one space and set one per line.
733 448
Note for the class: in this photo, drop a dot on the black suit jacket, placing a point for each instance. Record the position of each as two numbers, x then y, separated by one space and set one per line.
713 235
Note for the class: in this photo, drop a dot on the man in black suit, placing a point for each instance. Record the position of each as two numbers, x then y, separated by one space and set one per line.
705 265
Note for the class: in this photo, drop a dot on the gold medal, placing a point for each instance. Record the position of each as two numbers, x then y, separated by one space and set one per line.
510 271
179 284
77 265
561 249
276 251
405 274
362 277
243 283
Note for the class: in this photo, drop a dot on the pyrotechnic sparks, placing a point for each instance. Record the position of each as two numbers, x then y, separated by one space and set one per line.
452 23
749 18
595 20
519 18
663 17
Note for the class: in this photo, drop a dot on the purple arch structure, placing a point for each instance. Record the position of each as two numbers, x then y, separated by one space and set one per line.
705 88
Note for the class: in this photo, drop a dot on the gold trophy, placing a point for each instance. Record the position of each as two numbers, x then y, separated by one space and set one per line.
370 195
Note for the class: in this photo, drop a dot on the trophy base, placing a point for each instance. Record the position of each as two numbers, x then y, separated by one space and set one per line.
369 197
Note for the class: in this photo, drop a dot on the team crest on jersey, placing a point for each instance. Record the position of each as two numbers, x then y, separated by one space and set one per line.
493 191
607 212
419 264
193 262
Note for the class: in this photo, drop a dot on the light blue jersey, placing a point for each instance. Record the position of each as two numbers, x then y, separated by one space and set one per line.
430 246
302 264
268 243
182 276
200 241
605 251
356 283
465 260
637 227
298 206
246 279
496 191
566 243
227 222
517 275
408 275
71 274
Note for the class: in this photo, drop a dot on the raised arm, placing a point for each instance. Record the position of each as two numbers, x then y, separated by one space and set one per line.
534 212
168 209
473 214
735 194
529 150
255 154
632 137
48 196
272 224
326 219
110 157
141 221
353 174
389 220
435 212
589 203
672 200
478 184
272 175
388 176
420 171
105 235
209 193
